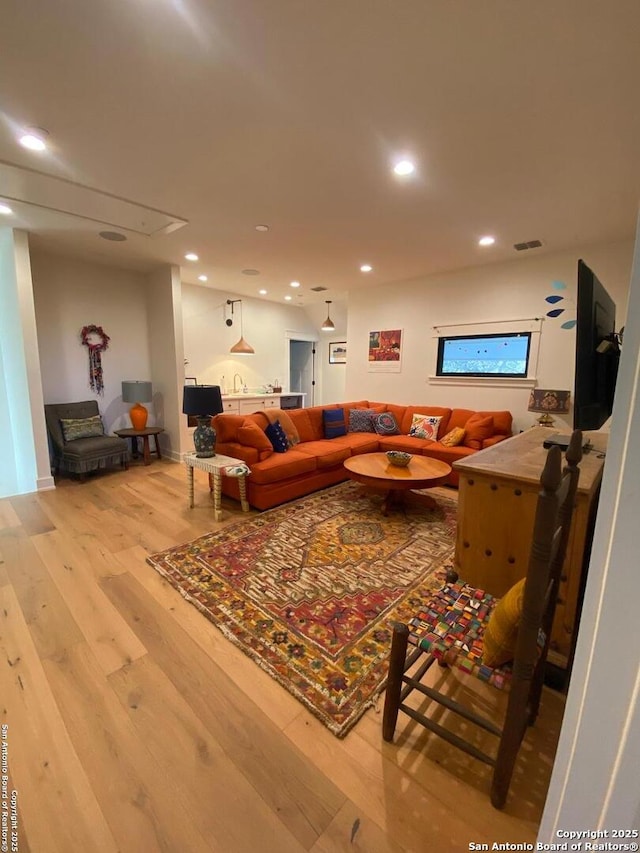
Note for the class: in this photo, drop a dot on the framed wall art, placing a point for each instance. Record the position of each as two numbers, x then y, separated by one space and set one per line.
385 351
338 352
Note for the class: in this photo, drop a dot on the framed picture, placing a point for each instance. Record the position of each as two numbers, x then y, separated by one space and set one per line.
338 352
190 380
385 351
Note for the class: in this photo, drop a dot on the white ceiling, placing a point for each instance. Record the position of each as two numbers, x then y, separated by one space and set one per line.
522 118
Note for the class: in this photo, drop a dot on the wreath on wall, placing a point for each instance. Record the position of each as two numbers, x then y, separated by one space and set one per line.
97 341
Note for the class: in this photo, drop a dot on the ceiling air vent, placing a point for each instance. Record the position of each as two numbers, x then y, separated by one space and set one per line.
318 289
531 244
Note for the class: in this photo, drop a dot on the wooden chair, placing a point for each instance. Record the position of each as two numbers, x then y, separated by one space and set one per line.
451 630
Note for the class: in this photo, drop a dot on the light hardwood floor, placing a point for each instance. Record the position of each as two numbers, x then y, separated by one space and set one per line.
133 725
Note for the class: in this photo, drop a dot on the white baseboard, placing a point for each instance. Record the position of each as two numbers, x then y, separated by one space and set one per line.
45 484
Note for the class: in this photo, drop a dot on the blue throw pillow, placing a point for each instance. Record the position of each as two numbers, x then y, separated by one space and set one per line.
360 420
277 437
385 424
333 422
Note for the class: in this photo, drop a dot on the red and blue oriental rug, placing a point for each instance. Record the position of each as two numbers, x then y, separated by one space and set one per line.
310 590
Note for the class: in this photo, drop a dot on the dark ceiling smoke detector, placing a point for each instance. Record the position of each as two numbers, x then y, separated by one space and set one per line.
250 272
531 244
114 236
318 289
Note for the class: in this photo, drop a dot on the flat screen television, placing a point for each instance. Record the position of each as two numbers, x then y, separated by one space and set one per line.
501 355
597 352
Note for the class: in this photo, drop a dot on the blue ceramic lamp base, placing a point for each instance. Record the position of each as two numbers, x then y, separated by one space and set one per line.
204 437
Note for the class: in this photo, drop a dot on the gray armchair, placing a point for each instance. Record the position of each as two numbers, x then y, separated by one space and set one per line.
81 455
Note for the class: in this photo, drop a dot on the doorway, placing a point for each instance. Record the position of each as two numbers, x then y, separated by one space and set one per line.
302 368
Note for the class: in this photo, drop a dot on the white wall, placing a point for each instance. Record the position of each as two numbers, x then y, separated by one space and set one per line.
595 778
24 459
164 303
70 293
505 291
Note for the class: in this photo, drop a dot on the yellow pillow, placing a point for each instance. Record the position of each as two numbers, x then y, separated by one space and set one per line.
453 437
501 632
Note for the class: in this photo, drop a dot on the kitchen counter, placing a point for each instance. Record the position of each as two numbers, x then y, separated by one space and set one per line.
245 404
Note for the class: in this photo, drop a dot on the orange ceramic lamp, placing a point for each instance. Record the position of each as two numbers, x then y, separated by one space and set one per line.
134 391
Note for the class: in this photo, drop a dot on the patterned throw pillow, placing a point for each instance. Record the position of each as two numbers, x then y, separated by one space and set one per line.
453 438
333 423
385 424
360 420
277 437
425 426
73 428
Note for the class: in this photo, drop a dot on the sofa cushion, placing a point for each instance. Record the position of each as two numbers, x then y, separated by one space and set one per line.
477 428
282 466
74 428
277 437
408 443
252 436
358 442
334 423
454 437
94 447
425 426
385 424
326 452
302 423
360 420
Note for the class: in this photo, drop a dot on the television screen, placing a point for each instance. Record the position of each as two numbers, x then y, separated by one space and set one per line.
484 355
597 352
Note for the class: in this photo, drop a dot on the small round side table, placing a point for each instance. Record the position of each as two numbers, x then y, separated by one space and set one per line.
135 434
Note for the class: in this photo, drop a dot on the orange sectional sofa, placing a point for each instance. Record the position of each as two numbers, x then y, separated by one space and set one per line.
316 462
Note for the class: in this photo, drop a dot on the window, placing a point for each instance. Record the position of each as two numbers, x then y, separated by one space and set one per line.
484 355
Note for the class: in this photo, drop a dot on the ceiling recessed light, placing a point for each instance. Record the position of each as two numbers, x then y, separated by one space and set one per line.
5 209
262 292
404 168
486 241
366 268
202 278
262 227
294 284
114 236
34 138
250 272
191 256
288 298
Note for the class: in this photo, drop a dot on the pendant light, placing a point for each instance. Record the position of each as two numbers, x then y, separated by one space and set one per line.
241 347
328 325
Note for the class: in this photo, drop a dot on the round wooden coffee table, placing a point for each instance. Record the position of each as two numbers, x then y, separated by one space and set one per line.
375 471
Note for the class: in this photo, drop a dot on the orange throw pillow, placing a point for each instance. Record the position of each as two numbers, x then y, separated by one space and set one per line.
477 428
252 436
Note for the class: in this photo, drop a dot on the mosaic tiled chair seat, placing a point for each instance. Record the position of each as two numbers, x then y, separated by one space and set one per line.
452 630
460 625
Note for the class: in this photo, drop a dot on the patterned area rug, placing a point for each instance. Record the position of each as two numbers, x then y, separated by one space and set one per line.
310 590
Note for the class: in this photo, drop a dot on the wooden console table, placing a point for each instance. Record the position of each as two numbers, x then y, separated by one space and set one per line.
496 507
